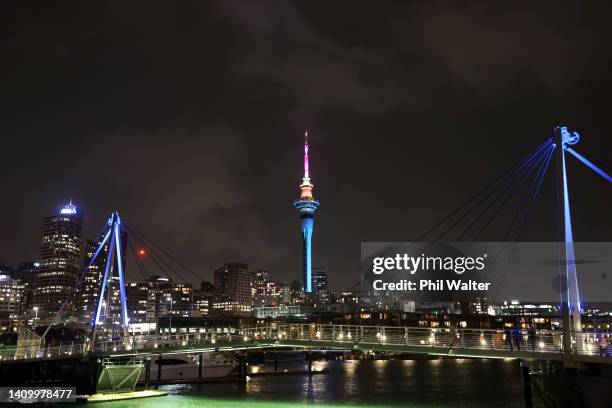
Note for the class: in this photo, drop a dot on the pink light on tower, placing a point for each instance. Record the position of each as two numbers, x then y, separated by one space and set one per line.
306 171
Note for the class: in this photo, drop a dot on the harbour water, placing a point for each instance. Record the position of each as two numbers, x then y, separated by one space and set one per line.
365 383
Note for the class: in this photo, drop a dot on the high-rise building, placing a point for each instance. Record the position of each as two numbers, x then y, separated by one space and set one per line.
87 296
26 272
158 296
269 294
11 297
6 269
307 206
259 285
137 294
319 280
60 260
203 299
233 289
182 299
11 304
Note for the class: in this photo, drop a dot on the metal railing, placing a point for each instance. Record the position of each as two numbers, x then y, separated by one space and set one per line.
394 338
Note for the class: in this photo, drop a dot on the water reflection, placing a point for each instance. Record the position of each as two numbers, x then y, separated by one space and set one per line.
364 383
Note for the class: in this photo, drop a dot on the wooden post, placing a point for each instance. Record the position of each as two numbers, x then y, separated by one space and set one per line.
526 383
159 368
147 373
200 367
242 367
309 362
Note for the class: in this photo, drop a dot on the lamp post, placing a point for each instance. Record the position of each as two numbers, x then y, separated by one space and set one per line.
170 320
35 308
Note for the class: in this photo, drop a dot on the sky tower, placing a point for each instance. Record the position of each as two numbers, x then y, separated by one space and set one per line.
307 206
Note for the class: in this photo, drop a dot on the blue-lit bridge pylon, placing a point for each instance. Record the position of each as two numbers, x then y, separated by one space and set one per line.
114 264
571 304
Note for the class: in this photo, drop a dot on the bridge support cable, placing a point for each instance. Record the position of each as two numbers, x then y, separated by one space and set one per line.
504 183
530 195
512 187
157 259
508 192
539 166
534 194
139 265
530 191
166 253
494 185
57 317
475 196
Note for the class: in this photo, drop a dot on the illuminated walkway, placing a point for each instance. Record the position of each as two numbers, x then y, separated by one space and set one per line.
537 345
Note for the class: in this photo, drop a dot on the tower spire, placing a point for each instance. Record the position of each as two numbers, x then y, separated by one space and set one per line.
306 170
306 186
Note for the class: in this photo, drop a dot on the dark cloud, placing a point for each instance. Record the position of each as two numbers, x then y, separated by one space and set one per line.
187 118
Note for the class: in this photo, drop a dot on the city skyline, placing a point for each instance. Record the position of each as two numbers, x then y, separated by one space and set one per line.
200 149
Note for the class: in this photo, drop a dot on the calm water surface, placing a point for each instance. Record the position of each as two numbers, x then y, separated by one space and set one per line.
366 383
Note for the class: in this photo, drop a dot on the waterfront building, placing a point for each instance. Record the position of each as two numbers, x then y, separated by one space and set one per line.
284 311
517 308
231 308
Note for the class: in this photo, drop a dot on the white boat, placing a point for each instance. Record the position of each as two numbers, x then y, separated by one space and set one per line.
186 366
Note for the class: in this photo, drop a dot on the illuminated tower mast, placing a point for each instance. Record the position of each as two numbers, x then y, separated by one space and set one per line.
564 139
307 206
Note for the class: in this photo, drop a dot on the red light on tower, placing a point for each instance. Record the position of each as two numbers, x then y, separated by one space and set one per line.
141 252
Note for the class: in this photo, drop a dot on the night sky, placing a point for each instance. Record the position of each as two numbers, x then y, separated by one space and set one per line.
187 118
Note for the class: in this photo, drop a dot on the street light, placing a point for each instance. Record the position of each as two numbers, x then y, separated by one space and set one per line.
170 299
35 308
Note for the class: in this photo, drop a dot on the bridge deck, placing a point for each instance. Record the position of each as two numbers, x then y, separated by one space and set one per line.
536 345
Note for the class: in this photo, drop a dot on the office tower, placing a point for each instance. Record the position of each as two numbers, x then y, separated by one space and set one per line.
60 260
11 302
137 294
259 285
307 206
233 289
26 272
319 280
203 299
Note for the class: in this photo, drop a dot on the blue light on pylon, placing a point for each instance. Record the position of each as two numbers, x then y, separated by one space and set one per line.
114 232
589 164
567 139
